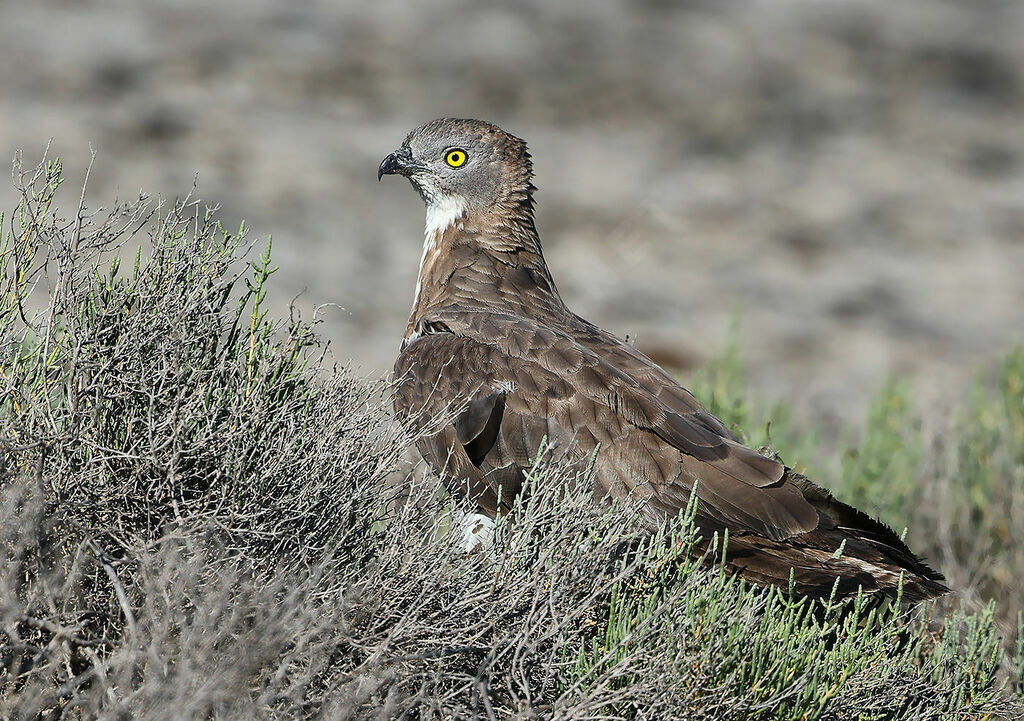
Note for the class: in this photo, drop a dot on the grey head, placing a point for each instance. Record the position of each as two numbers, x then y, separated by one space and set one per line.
468 162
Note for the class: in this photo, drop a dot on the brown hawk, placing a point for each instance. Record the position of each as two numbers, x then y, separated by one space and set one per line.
493 363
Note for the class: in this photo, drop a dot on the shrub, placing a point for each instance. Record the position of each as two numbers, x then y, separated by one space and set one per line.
201 519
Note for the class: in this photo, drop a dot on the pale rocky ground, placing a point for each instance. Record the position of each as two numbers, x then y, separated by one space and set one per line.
846 177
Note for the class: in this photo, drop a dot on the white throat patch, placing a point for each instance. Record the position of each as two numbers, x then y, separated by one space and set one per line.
442 213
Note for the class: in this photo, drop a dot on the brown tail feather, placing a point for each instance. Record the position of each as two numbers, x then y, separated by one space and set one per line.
863 553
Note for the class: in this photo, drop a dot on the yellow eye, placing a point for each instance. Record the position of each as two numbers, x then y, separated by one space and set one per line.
455 157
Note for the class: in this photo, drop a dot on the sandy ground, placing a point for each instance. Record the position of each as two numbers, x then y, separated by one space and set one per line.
846 177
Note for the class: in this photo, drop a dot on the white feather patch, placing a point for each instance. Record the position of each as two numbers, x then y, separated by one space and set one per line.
443 211
477 532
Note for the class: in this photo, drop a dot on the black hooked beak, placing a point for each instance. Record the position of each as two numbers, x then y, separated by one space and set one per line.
399 162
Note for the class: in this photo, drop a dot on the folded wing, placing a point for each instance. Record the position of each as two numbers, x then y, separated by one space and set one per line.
516 382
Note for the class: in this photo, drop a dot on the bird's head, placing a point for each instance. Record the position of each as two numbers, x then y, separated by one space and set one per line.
465 164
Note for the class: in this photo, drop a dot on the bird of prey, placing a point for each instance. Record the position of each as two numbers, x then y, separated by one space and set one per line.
493 363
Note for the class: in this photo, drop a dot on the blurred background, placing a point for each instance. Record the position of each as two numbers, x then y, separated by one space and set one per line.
844 180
